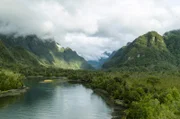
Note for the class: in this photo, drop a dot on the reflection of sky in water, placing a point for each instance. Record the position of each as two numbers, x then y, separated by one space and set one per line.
65 101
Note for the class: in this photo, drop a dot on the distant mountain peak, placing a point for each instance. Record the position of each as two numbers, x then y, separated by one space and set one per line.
107 53
98 63
148 50
150 39
59 47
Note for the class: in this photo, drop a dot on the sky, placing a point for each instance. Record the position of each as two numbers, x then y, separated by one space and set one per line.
89 27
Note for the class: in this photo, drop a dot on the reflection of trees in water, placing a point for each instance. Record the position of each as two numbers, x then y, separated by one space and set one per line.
38 92
4 102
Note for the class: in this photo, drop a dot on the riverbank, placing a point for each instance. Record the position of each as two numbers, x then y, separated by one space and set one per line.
13 92
117 105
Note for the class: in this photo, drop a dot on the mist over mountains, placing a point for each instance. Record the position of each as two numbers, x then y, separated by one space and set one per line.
33 51
97 64
94 25
150 51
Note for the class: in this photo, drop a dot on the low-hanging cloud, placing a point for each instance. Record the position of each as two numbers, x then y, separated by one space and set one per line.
90 27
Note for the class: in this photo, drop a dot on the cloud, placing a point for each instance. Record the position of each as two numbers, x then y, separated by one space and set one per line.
90 27
91 47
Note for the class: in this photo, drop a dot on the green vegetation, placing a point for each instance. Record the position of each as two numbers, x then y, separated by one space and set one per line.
143 95
148 52
142 77
32 51
172 40
10 80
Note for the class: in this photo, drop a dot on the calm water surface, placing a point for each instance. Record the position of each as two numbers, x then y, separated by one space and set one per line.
52 101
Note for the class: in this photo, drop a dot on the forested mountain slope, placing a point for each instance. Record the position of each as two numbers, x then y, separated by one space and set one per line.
33 50
150 51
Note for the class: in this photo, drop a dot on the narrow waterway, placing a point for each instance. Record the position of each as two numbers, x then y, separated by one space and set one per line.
55 101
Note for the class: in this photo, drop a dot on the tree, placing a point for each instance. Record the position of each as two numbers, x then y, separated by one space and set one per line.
153 81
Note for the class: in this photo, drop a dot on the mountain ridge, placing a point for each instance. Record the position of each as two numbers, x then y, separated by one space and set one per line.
149 52
45 52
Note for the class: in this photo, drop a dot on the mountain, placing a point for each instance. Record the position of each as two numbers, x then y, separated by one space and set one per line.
33 50
172 40
16 56
148 52
97 64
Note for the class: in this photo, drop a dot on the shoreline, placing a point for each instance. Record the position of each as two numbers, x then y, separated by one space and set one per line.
13 92
117 105
118 109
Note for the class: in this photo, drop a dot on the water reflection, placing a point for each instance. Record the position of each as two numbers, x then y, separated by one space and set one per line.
49 101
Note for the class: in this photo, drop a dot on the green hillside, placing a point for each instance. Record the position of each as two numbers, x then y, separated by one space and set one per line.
148 52
16 56
31 50
172 40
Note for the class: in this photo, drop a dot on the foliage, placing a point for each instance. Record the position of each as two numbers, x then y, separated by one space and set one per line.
33 51
145 95
153 81
147 83
10 80
150 51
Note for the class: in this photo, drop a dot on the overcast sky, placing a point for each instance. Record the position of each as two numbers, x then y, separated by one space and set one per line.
89 27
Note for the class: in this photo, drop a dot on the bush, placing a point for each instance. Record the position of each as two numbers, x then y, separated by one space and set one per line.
10 80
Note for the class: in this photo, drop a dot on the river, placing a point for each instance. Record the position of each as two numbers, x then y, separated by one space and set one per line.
55 101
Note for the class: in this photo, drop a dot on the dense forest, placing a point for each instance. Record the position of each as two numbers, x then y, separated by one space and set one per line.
10 80
142 95
142 77
148 52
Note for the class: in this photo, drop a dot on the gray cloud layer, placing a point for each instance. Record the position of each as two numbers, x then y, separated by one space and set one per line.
89 26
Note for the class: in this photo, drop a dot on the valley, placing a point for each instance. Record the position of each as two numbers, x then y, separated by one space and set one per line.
139 81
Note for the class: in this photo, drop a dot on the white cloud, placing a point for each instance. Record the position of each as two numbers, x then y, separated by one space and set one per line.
90 47
89 26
